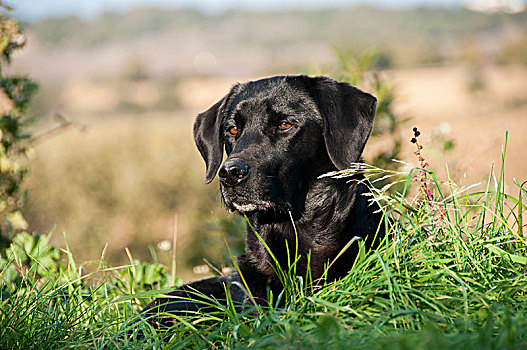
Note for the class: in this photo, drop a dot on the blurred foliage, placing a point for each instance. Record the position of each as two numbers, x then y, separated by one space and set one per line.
514 51
473 57
125 92
440 139
15 95
135 70
408 36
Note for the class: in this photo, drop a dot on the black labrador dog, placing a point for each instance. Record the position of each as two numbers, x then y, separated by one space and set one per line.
280 134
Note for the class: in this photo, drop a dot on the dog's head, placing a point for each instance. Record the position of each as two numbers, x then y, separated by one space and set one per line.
280 134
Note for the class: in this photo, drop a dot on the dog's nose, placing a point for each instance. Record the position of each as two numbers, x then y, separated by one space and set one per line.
233 172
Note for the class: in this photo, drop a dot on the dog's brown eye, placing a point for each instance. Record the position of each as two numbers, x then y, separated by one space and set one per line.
233 130
285 126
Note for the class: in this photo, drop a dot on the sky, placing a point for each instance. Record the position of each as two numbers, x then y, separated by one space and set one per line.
38 9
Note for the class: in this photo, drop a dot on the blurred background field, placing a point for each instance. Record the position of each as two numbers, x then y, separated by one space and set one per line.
132 81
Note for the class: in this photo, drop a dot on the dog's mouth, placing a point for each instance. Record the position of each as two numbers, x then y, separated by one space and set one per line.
249 200
245 207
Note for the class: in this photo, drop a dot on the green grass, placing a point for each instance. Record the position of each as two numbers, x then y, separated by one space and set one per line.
451 274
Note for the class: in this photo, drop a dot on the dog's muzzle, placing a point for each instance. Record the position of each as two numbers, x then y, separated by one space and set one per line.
233 172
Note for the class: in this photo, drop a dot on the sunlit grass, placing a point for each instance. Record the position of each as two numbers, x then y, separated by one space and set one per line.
450 274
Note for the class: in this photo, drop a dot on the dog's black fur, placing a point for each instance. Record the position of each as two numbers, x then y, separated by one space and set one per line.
280 134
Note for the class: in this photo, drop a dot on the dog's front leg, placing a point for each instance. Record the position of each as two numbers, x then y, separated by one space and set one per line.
199 296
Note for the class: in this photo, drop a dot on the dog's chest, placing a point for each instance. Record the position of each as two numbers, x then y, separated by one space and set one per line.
285 244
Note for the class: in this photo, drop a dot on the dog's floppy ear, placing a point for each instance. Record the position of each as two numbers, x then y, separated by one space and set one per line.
348 118
208 133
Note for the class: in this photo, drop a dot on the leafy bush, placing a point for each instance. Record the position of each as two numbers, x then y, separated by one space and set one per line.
514 51
15 94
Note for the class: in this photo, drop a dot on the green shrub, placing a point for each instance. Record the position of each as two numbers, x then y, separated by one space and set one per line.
15 94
